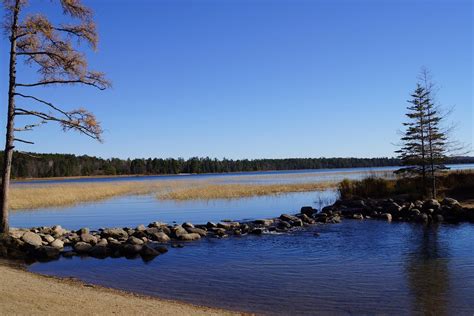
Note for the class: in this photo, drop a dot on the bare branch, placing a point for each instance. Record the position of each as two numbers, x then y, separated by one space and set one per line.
23 141
29 127
42 101
98 85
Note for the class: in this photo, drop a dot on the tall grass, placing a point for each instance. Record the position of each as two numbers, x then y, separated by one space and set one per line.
455 183
233 191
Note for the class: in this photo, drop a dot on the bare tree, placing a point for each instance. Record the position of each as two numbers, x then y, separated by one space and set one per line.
52 51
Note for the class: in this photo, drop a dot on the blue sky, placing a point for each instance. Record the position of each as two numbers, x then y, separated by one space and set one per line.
253 79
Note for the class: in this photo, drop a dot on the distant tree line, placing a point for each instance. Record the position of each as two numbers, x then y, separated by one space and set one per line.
34 165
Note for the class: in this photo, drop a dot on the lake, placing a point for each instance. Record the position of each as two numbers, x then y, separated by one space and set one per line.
356 267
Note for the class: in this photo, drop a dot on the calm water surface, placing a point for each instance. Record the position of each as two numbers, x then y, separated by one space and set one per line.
351 268
356 267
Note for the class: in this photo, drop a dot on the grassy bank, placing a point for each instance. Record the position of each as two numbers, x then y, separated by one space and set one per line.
458 184
233 191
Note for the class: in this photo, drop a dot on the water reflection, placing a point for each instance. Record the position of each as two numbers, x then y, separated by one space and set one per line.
428 271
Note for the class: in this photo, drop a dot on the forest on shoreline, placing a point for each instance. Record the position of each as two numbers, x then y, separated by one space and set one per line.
35 165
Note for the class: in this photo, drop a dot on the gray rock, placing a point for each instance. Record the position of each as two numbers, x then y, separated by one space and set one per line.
48 238
17 233
264 222
211 225
117 233
148 251
58 244
82 231
199 231
47 253
187 225
88 238
102 242
82 247
160 237
32 239
189 237
307 210
58 231
140 228
135 241
386 216
178 231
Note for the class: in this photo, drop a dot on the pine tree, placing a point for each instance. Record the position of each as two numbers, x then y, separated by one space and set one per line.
424 142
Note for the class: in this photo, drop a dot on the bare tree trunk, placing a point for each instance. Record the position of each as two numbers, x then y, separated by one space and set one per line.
8 154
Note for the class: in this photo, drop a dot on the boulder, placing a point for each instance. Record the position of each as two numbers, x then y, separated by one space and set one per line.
58 244
256 231
102 242
135 241
140 228
82 247
449 202
129 250
47 253
148 251
156 224
17 233
263 222
117 233
431 204
32 239
82 231
386 216
187 225
308 211
48 238
160 237
58 231
199 231
211 225
178 231
88 238
358 216
189 237
283 224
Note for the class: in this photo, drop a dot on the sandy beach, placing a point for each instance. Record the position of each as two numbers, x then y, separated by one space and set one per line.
25 293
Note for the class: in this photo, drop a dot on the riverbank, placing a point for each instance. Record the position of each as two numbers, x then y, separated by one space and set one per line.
26 293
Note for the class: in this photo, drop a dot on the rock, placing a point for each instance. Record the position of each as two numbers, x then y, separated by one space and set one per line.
117 233
283 224
32 239
162 249
82 231
220 232
438 218
256 231
187 225
148 251
58 244
334 219
82 247
88 238
47 253
189 237
226 226
201 232
431 203
177 246
358 216
288 218
135 241
422 218
160 237
308 211
58 231
48 238
211 225
99 251
386 216
263 222
156 224
178 231
17 233
102 242
129 250
140 228
306 219
449 202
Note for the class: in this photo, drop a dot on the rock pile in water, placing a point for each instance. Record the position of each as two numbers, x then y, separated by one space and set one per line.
428 211
50 243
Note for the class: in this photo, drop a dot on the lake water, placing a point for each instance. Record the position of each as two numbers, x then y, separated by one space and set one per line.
356 267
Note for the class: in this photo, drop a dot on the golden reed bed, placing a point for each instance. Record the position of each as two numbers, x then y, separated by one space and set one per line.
55 195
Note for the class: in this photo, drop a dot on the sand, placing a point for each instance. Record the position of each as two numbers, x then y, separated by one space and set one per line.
26 293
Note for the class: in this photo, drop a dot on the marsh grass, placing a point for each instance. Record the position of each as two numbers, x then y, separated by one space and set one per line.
39 196
234 191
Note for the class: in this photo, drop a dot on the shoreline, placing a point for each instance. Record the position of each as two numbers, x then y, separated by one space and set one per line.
22 292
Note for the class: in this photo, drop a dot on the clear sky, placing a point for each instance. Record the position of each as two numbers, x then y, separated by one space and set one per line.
261 78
